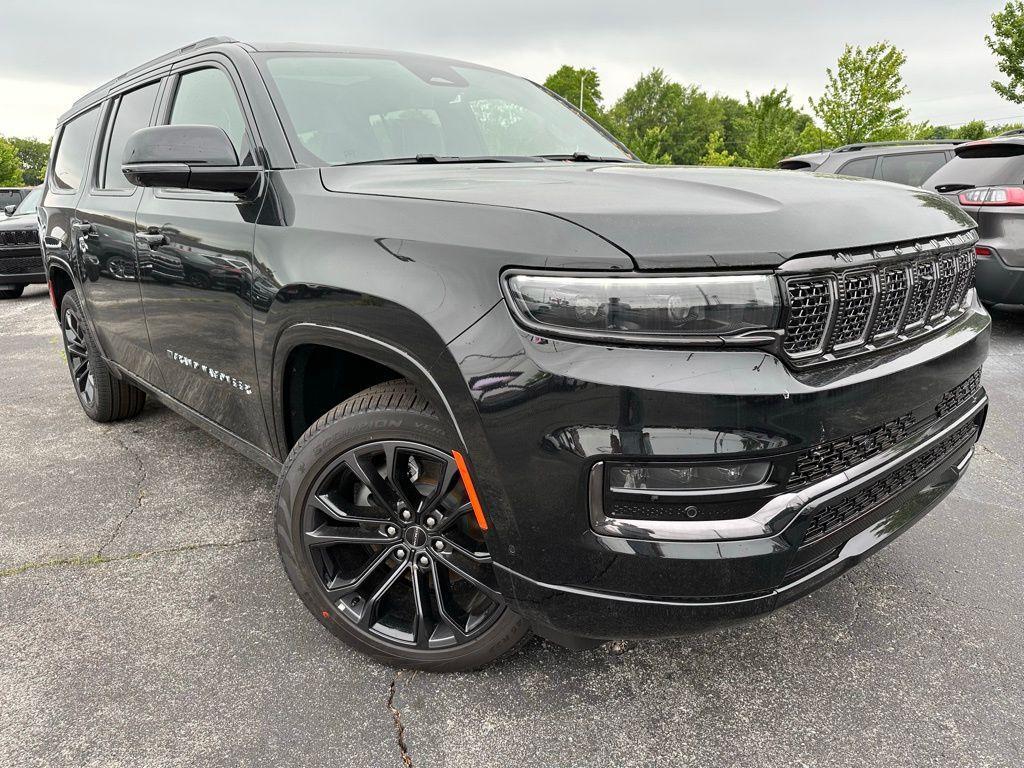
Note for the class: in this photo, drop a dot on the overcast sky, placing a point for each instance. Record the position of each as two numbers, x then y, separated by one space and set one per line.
52 52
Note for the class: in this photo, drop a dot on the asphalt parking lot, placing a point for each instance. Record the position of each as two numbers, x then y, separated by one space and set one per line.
145 621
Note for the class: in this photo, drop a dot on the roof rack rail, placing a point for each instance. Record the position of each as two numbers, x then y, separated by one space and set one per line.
909 143
1013 132
95 93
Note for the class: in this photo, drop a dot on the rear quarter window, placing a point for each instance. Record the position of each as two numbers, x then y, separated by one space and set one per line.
864 167
69 165
912 169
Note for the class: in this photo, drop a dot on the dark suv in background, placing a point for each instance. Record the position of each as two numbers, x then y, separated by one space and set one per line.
511 378
986 179
902 162
21 260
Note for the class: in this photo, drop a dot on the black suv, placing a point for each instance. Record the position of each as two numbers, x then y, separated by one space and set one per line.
986 179
21 261
510 378
901 162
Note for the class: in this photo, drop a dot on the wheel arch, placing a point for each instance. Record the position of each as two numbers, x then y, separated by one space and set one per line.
384 355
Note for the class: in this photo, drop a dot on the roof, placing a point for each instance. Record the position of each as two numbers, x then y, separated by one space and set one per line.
97 94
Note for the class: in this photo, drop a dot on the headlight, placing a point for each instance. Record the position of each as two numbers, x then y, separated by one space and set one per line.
628 306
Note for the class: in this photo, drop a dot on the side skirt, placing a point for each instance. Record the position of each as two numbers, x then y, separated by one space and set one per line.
227 437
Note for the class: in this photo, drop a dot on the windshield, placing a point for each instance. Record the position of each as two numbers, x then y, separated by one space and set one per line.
356 109
29 203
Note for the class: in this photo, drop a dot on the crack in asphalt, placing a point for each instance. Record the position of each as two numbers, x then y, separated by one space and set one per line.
396 716
138 495
98 559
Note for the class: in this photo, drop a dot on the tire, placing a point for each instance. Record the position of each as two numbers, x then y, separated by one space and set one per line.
393 424
102 396
11 291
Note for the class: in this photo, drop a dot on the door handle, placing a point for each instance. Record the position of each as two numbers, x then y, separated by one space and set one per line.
152 239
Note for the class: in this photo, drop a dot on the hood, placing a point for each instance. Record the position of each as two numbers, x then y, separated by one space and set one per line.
669 217
22 221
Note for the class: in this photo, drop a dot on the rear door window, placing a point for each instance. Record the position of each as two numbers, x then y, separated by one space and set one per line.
910 169
73 151
132 112
864 167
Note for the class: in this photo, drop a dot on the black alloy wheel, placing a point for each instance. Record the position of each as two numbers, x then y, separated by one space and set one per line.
102 396
390 531
378 536
78 356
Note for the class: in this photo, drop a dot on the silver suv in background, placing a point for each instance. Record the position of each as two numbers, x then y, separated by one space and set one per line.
902 162
986 179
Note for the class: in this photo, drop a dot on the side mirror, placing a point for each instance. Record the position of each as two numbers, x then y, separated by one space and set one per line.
186 157
10 209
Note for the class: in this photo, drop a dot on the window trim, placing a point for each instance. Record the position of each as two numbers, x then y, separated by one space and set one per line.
89 156
112 107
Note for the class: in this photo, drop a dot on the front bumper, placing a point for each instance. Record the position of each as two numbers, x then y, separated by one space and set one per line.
21 266
546 412
937 459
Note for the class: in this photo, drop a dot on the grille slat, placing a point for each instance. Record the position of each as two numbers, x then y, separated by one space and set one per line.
866 306
810 302
894 282
21 265
856 300
841 513
13 238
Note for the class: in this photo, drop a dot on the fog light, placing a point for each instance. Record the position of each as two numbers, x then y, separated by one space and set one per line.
673 479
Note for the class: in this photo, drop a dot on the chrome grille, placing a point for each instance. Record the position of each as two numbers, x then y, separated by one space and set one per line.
810 306
856 301
867 300
893 282
945 270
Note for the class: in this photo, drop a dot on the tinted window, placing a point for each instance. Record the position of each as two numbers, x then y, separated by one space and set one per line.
979 170
864 167
910 169
9 197
133 112
348 109
73 150
207 97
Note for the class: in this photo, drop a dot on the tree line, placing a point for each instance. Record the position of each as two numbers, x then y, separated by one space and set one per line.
663 121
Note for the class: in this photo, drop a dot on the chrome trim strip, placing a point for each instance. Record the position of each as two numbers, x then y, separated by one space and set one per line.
778 513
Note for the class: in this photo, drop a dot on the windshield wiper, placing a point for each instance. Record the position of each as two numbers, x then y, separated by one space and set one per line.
953 187
432 159
583 157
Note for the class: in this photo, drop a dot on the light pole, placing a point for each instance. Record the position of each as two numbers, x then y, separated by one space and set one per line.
582 81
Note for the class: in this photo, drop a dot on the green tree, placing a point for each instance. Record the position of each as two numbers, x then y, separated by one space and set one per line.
814 139
33 156
684 117
715 152
567 81
10 165
1007 44
862 98
771 126
651 147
